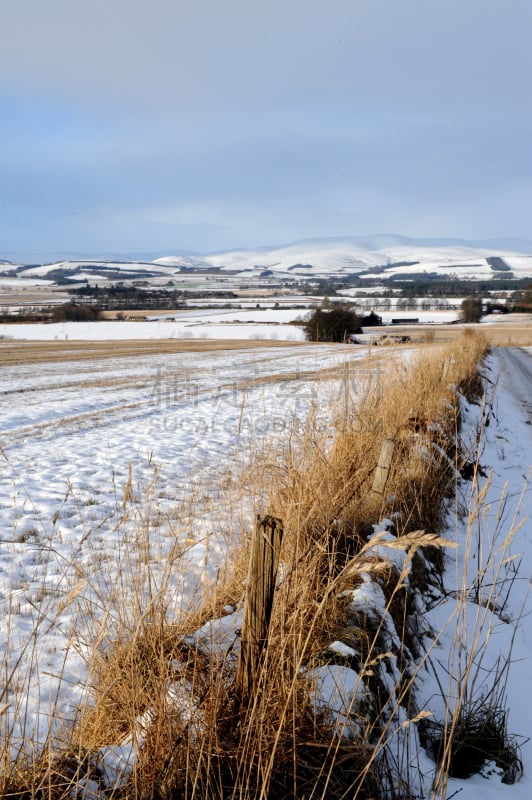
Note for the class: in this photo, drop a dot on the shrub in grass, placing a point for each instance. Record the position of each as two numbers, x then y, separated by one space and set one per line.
478 735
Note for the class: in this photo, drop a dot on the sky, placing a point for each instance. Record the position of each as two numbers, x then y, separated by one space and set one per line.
165 127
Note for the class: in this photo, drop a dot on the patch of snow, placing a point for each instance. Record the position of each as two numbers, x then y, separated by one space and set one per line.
340 694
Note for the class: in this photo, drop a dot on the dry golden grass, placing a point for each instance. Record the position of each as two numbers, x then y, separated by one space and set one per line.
322 491
325 492
176 699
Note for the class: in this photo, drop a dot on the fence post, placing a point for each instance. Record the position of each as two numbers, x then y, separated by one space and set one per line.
258 603
446 369
383 468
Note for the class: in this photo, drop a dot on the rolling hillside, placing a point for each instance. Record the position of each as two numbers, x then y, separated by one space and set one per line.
370 257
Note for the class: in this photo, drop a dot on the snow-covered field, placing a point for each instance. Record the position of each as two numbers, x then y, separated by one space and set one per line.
263 324
101 455
17 283
200 326
96 454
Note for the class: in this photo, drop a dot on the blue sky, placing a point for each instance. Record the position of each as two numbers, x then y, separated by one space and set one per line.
129 126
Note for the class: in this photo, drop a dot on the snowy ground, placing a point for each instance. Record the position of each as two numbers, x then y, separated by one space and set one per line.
69 432
188 328
186 423
500 628
269 324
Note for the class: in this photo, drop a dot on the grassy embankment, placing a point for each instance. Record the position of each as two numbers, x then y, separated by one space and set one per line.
171 695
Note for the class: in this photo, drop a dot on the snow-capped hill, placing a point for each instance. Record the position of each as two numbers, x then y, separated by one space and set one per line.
382 255
182 262
105 270
317 258
7 266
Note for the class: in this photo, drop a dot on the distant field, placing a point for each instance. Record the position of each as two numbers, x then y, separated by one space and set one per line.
30 352
88 341
515 329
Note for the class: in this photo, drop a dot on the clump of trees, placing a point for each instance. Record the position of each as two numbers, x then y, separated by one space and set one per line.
471 309
64 312
72 312
371 320
335 325
522 300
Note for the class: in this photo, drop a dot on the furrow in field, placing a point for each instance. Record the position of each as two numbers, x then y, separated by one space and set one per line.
140 410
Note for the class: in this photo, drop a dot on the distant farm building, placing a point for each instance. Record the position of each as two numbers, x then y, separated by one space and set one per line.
389 338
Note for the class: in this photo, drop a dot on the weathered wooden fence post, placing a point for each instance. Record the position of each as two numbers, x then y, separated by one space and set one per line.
446 369
262 576
383 468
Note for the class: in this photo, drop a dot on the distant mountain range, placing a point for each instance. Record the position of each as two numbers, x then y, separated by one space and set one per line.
368 256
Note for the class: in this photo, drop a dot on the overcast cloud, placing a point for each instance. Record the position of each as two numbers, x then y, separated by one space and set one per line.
164 126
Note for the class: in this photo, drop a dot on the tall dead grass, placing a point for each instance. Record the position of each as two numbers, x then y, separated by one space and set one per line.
165 694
